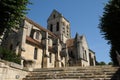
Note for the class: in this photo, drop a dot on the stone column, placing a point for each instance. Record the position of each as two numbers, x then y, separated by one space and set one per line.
58 63
46 54
67 57
79 50
23 37
79 54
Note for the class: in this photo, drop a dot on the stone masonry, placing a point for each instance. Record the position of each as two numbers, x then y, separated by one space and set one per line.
51 47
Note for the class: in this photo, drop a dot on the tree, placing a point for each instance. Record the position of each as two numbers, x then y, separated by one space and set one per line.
110 63
109 27
101 63
11 13
9 55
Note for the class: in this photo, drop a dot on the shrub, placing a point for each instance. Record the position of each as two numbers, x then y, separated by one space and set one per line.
9 55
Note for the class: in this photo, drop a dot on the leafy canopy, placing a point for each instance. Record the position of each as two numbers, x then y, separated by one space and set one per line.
109 27
11 13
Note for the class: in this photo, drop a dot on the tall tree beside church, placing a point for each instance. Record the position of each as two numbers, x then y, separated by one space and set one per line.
110 27
11 13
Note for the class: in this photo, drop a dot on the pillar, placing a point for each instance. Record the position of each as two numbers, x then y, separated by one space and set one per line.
46 54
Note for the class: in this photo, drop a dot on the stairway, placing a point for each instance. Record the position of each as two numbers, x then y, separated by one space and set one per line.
76 73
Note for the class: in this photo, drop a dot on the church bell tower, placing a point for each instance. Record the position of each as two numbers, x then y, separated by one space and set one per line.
59 25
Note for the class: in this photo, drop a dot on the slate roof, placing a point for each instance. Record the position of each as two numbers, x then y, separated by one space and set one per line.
34 42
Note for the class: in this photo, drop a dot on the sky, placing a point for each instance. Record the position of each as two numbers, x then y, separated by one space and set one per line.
84 17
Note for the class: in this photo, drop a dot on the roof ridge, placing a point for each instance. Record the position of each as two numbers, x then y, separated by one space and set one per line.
40 27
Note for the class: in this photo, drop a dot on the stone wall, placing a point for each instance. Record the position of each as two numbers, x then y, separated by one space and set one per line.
11 71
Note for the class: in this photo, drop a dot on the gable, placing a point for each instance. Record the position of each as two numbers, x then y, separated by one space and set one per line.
54 14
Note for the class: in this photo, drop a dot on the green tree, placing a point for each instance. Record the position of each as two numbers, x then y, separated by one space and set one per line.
101 63
11 13
109 27
110 63
97 63
9 55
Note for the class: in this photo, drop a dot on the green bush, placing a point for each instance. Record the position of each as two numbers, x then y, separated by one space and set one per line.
100 63
9 55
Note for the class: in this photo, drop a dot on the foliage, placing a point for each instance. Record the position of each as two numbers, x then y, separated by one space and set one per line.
11 13
110 63
109 27
9 55
113 56
100 63
97 63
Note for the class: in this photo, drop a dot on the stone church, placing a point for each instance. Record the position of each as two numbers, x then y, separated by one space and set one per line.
51 47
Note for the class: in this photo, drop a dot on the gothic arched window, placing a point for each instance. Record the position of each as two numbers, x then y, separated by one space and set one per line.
54 16
51 27
35 53
50 57
57 27
37 35
85 55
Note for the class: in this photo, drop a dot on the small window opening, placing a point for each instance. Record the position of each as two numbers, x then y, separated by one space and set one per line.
57 29
35 53
51 27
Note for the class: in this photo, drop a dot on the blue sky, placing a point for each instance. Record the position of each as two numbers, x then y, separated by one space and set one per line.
84 16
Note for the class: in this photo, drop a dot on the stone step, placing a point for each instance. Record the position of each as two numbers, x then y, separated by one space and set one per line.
71 74
77 69
81 73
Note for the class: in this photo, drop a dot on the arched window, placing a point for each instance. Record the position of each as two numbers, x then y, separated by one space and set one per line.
37 35
57 27
50 57
51 27
54 16
85 55
35 53
72 55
